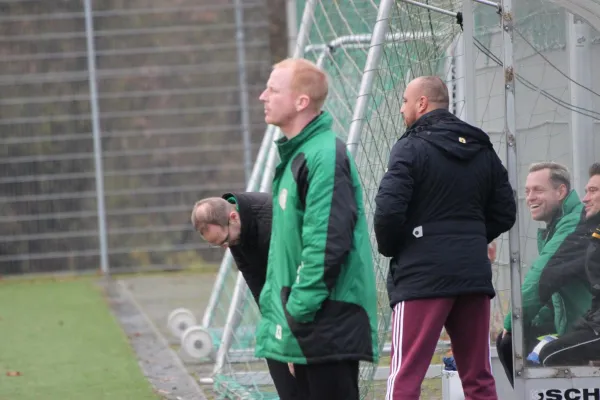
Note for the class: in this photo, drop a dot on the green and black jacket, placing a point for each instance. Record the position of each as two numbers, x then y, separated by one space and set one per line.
554 293
319 302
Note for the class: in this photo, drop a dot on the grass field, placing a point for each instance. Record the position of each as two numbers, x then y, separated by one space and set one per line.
60 341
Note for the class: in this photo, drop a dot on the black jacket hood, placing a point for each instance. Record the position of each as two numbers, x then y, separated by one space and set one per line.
448 133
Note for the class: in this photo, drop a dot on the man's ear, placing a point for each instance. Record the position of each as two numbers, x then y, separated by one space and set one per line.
423 104
562 190
302 102
234 216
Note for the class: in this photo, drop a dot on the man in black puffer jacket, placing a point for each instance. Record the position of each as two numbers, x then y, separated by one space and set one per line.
242 222
444 197
581 344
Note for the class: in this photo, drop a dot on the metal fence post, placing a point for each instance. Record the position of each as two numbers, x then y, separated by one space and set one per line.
470 93
240 39
579 42
91 61
292 24
512 164
366 83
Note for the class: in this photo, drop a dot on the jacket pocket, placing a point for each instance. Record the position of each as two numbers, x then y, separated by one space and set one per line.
274 334
340 330
561 317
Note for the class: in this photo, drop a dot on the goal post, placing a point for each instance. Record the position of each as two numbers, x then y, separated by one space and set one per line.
489 57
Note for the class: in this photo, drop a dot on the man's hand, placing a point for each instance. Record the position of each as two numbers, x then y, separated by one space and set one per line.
291 368
492 251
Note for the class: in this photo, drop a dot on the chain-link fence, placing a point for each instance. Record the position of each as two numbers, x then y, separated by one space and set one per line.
115 118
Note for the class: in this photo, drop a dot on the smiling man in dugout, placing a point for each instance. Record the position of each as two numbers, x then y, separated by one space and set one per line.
581 344
547 309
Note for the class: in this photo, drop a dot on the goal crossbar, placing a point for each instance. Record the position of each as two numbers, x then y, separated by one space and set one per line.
364 40
497 6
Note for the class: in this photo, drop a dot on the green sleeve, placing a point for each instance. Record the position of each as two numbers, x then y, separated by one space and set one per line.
530 289
330 216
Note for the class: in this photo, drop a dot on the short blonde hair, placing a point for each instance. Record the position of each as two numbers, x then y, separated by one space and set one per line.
307 78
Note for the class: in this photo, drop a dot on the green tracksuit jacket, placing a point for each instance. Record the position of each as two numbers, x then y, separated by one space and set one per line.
319 302
572 300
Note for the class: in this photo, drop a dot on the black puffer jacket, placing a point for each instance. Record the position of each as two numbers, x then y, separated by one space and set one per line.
592 269
444 197
568 264
252 252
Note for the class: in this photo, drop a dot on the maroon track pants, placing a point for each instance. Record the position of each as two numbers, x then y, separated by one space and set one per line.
416 328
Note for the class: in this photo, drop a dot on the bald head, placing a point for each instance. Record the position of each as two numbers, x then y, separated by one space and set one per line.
210 211
422 95
217 221
435 90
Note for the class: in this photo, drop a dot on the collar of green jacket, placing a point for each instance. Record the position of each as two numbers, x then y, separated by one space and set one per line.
320 123
230 197
571 204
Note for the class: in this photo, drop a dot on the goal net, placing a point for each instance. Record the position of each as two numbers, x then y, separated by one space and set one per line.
419 41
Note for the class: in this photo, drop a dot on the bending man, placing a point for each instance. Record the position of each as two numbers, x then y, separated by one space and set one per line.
242 222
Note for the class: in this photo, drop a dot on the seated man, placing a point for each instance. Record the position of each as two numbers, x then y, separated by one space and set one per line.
551 200
580 345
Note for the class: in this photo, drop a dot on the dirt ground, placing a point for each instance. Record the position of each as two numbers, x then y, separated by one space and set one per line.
156 295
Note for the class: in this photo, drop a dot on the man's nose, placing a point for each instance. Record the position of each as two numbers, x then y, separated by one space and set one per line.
529 197
586 198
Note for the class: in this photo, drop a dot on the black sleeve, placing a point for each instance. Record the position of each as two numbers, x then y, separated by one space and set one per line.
566 265
394 195
592 260
254 276
501 208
